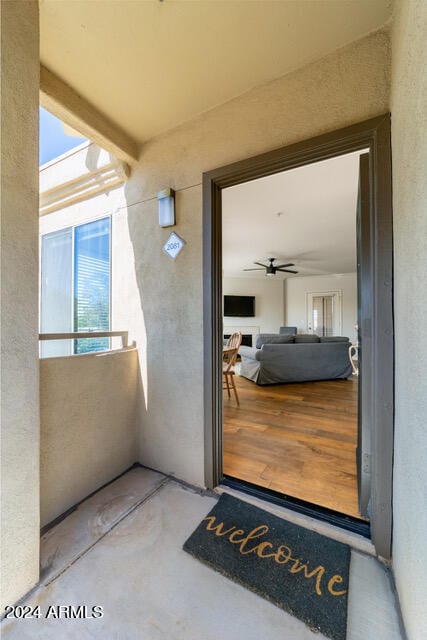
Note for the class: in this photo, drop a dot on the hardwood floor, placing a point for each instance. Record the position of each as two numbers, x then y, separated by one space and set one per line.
298 439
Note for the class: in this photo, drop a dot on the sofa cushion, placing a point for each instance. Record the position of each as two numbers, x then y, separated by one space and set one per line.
333 339
272 338
306 337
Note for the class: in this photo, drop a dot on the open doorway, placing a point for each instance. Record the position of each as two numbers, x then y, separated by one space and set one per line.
372 326
292 428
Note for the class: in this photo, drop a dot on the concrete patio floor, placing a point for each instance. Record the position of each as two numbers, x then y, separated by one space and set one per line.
122 550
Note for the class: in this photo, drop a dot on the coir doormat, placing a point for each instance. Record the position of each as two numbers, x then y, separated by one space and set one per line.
299 570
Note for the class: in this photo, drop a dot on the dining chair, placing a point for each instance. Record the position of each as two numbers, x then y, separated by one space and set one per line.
230 353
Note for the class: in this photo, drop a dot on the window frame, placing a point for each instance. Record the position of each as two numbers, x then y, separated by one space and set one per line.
73 227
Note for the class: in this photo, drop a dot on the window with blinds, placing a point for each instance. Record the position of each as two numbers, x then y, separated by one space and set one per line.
75 286
92 283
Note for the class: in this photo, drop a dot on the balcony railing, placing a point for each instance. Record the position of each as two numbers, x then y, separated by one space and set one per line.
88 419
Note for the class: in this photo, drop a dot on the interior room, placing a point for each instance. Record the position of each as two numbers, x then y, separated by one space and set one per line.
291 423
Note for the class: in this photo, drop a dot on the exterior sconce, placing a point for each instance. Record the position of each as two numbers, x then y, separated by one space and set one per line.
166 200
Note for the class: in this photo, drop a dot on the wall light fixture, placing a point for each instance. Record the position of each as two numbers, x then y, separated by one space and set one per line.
166 200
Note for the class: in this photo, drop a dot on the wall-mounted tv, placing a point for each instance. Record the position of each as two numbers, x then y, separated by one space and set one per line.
239 306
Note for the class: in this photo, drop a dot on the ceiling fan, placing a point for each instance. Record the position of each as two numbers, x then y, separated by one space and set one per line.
270 269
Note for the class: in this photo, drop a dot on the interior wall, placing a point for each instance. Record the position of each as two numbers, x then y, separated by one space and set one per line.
268 302
20 532
162 299
409 147
296 299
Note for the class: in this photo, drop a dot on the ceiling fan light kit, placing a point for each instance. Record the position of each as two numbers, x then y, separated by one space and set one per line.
271 269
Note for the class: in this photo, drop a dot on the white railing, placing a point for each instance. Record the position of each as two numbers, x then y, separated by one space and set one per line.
85 186
87 334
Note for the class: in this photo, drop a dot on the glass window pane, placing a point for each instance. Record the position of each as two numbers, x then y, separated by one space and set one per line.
92 283
56 314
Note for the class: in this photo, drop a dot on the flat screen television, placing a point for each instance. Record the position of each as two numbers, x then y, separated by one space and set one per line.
239 306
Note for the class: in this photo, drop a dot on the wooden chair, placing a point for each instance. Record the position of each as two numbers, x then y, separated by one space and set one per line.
235 340
230 353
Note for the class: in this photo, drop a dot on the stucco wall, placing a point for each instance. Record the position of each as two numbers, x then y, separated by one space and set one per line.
87 407
165 297
19 304
409 146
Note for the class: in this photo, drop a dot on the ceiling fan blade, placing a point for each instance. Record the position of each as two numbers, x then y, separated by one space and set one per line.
280 266
261 265
256 269
287 270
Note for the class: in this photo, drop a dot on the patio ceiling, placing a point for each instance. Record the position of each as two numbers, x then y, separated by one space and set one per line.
148 66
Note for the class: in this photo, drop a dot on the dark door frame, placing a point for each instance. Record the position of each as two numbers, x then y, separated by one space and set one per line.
371 134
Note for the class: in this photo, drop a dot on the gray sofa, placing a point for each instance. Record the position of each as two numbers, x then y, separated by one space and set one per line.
281 358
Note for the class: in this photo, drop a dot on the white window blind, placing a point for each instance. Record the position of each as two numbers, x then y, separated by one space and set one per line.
92 283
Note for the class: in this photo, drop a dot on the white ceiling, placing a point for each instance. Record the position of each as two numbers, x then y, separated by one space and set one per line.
149 65
316 228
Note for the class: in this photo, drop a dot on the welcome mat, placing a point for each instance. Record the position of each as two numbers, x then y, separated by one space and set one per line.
298 570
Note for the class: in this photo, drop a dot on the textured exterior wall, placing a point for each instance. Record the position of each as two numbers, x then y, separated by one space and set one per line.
19 304
162 300
409 145
87 433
